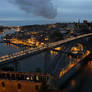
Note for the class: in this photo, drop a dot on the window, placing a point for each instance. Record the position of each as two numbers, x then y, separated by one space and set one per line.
3 84
22 77
3 75
19 86
8 76
37 87
13 76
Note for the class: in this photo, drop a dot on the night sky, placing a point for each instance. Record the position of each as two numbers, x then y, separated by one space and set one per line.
67 10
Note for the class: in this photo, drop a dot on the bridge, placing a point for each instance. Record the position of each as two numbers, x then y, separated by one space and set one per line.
22 54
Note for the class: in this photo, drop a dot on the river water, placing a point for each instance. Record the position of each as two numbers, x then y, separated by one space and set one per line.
5 48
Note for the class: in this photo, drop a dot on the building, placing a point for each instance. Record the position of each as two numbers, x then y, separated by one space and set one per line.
21 81
19 86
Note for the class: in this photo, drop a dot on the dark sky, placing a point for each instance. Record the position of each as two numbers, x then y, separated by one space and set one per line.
67 10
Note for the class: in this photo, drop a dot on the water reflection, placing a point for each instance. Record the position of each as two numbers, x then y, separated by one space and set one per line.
7 49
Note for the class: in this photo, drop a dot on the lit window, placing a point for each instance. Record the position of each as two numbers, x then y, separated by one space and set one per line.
27 78
31 78
37 78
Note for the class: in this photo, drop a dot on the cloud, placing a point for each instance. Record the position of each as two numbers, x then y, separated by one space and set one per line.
43 8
